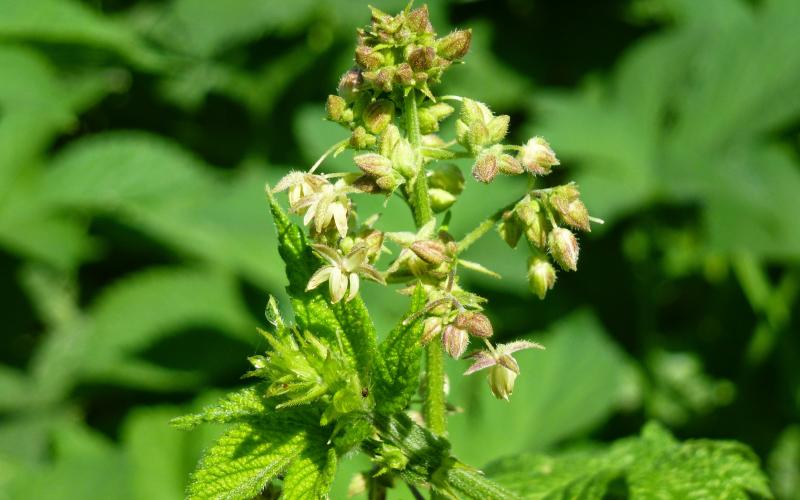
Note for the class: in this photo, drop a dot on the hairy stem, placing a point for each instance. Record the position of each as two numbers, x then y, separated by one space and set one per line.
434 406
483 227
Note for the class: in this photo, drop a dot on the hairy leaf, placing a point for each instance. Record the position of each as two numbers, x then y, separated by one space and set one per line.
248 456
345 322
653 465
310 476
247 403
398 378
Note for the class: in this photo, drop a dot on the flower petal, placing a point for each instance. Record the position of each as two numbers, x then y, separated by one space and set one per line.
339 218
354 284
518 345
328 253
337 285
371 273
319 277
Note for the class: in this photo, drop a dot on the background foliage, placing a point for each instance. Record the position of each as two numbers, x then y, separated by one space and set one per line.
136 251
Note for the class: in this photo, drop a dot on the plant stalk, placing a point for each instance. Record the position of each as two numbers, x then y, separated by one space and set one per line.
434 405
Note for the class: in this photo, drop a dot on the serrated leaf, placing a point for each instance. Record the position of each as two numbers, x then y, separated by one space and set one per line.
398 377
247 457
236 406
310 476
653 465
347 322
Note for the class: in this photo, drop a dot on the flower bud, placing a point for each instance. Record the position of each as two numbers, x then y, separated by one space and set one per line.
485 168
378 115
389 139
418 20
373 243
475 323
403 158
431 327
388 182
455 341
380 79
368 58
475 111
501 381
455 45
531 214
537 156
431 251
374 164
421 58
564 248
510 228
349 84
360 139
441 200
427 122
541 275
404 74
509 165
335 108
566 201
448 177
498 128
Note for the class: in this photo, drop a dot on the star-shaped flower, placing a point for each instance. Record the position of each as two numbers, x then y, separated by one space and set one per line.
343 271
504 368
314 197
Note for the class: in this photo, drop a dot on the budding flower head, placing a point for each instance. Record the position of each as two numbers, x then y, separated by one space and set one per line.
335 108
564 248
485 168
374 164
430 251
537 156
454 341
349 84
455 45
501 381
566 200
541 275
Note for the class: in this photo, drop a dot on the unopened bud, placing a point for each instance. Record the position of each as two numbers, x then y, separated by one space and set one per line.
566 201
373 243
475 111
454 341
498 128
368 58
427 122
532 216
418 20
537 156
501 381
510 228
404 74
388 182
564 248
335 107
431 327
403 158
389 139
448 177
374 164
421 58
360 139
485 168
378 115
509 165
431 251
455 45
541 275
475 323
350 84
441 200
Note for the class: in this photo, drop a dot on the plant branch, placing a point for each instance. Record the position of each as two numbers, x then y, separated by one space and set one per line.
483 228
434 406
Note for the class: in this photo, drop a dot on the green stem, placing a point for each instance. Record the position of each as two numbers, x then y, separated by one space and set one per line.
434 406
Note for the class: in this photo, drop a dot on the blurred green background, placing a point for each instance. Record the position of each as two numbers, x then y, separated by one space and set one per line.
136 251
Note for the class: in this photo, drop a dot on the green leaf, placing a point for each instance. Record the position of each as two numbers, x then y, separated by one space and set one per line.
398 377
345 322
70 22
236 406
578 355
241 463
311 475
653 465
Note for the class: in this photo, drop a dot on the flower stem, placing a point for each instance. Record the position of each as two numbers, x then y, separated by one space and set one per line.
434 406
483 227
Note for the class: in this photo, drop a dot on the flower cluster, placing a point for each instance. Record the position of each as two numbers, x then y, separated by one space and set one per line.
386 102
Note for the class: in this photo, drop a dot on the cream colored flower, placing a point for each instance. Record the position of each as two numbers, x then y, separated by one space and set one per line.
537 156
300 185
327 206
343 271
503 368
